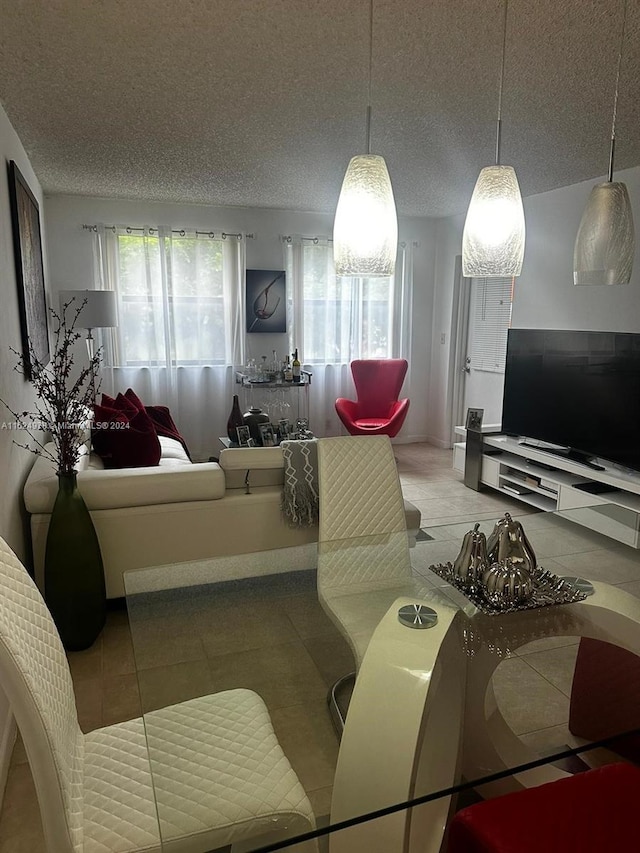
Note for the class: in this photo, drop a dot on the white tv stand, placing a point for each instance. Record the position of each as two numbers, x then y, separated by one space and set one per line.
556 484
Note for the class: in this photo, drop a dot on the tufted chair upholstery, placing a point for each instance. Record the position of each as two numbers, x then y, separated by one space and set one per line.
363 549
377 411
219 774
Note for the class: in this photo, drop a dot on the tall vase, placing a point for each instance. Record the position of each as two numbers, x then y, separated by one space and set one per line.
74 587
235 420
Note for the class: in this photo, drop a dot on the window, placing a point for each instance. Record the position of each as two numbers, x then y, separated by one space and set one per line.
491 312
335 320
178 300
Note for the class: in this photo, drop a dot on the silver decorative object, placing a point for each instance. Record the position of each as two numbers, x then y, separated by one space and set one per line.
508 541
500 575
507 584
472 559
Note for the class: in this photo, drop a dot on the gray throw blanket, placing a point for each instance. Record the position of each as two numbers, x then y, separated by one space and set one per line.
300 491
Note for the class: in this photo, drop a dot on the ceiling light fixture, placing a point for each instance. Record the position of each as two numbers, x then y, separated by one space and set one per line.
494 230
365 228
603 253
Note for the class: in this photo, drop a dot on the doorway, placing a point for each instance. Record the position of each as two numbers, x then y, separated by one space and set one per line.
480 320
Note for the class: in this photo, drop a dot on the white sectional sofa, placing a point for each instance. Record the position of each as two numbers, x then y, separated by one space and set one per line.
179 513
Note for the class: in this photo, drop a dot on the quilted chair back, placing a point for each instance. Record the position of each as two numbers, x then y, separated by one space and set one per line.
378 383
34 674
360 496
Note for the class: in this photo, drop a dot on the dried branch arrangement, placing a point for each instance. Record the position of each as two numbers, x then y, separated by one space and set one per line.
65 397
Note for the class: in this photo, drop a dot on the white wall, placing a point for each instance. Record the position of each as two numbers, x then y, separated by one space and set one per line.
70 262
14 461
545 296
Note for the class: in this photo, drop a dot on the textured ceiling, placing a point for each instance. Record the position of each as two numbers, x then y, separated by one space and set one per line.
262 102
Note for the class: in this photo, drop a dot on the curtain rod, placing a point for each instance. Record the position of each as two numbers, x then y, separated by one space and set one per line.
181 231
289 238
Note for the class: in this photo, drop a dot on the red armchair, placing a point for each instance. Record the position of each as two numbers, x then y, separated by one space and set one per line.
377 411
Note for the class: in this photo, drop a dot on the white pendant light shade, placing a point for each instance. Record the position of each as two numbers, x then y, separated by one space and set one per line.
605 244
494 230
365 229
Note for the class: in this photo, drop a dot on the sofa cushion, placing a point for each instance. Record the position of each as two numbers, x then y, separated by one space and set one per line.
175 480
264 464
125 438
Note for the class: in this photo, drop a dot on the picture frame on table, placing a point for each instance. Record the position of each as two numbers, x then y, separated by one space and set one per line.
284 428
244 435
267 436
474 419
27 249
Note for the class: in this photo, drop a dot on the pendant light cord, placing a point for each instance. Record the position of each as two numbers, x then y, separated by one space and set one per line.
504 49
368 128
615 97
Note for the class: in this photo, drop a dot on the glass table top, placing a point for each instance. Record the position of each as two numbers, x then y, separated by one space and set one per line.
475 703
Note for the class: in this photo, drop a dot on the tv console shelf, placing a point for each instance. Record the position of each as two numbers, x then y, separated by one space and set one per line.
607 501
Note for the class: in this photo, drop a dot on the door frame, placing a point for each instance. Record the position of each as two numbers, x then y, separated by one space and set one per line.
459 337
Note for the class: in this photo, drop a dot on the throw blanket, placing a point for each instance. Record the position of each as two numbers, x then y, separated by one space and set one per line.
300 491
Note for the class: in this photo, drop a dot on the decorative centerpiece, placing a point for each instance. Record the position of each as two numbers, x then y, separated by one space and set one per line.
74 586
500 574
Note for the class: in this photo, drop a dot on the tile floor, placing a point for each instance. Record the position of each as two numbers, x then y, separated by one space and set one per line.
293 652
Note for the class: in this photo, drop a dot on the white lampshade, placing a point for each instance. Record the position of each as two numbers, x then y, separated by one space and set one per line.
605 244
365 229
494 230
100 310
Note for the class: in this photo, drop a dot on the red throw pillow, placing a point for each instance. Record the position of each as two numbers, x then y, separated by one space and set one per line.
132 397
124 441
165 425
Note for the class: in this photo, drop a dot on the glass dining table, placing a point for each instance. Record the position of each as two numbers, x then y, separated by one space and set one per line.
453 702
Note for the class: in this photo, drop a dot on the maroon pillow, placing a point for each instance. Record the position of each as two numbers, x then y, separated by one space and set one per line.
165 425
133 398
124 441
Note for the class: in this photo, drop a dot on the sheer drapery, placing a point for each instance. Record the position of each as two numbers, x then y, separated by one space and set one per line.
181 316
333 321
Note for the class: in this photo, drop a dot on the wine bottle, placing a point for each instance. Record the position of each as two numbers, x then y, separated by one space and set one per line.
288 373
295 367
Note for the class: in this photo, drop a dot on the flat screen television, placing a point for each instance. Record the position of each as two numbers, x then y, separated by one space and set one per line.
578 391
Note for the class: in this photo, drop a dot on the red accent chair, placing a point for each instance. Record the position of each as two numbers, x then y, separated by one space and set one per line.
377 411
588 812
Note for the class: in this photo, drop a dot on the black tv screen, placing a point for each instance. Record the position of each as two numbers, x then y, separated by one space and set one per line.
576 389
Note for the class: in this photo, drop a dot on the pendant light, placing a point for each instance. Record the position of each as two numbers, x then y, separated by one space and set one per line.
365 228
603 253
493 237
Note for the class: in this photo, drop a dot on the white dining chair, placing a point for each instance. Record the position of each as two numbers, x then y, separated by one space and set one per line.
214 774
363 547
402 732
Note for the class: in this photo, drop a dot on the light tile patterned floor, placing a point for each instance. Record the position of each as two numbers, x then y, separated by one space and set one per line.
293 652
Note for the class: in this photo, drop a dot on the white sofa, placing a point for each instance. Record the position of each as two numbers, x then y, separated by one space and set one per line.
178 515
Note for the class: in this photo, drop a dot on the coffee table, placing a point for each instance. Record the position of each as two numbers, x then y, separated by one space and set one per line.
424 721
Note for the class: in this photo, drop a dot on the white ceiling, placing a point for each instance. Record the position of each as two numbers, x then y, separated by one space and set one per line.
262 102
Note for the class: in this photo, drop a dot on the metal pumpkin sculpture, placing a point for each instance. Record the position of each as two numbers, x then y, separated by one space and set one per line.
507 584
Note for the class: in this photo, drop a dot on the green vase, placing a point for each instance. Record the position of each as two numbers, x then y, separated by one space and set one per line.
73 573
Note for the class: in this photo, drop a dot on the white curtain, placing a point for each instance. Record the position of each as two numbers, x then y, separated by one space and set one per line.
181 316
333 321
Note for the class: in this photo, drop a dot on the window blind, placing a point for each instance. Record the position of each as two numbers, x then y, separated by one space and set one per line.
491 313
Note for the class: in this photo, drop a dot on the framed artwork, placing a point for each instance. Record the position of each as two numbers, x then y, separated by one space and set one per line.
27 247
244 435
266 301
267 436
284 428
474 419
